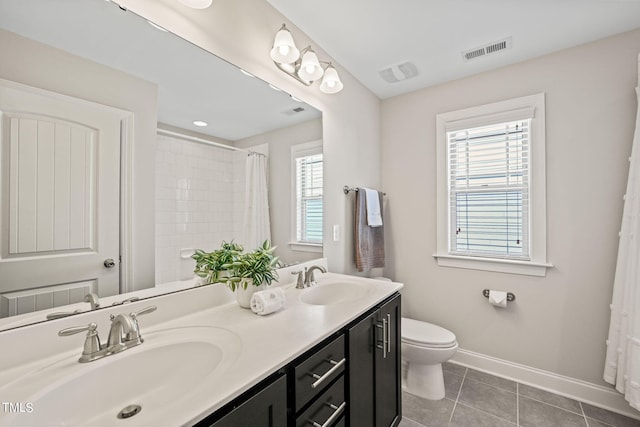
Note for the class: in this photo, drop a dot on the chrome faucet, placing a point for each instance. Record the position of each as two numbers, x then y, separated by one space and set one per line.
92 299
123 334
309 279
125 330
121 325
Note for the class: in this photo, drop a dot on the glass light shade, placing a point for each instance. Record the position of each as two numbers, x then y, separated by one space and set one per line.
284 49
331 81
197 4
310 69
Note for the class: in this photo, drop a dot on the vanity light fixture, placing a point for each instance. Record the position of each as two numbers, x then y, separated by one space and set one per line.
197 4
304 65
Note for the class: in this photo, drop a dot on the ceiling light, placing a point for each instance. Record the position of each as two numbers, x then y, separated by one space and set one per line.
331 81
284 49
310 68
196 4
303 66
200 123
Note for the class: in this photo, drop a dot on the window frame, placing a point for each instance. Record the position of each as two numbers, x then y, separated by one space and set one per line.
302 150
527 107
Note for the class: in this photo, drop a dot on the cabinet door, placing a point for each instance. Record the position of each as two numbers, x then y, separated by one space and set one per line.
387 365
268 408
361 384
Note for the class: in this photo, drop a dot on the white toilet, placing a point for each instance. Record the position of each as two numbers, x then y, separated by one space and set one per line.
424 348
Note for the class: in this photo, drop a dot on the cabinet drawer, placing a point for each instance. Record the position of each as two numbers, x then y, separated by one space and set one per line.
314 373
327 410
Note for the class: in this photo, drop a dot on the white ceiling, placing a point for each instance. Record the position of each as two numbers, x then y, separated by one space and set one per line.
192 83
366 36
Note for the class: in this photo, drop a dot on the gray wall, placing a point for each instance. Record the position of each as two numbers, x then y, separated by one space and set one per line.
558 323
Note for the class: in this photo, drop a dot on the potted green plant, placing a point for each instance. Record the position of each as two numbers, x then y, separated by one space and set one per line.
253 271
217 266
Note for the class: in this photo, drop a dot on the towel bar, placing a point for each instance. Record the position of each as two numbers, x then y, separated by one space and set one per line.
346 189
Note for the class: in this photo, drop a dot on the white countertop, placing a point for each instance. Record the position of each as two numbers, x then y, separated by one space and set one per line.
267 343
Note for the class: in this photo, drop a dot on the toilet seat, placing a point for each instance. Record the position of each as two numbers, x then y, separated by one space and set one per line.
425 334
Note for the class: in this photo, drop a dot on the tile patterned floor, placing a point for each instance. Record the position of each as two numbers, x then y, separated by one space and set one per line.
476 399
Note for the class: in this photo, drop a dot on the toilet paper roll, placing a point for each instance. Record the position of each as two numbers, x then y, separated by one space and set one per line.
498 298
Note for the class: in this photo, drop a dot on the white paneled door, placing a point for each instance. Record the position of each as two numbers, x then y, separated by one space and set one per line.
60 191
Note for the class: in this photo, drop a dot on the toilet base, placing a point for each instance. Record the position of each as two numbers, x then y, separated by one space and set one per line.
426 381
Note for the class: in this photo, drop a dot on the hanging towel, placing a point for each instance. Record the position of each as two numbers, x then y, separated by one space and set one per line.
374 215
369 241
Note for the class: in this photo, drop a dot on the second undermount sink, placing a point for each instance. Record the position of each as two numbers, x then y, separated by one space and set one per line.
147 380
335 293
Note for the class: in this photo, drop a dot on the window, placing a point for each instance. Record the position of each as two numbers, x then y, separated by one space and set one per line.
491 187
307 172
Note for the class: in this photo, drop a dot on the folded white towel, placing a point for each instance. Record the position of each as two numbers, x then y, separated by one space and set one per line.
374 216
266 302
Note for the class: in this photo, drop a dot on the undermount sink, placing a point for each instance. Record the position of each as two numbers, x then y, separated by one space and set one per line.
335 293
157 376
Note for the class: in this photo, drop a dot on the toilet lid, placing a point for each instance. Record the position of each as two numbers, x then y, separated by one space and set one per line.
415 331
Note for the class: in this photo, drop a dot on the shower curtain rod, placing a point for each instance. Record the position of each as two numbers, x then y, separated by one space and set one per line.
201 141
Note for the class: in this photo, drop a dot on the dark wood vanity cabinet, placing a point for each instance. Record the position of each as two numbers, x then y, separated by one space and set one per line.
374 368
263 406
350 379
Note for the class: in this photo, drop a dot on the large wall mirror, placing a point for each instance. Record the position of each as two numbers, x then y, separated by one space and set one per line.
65 157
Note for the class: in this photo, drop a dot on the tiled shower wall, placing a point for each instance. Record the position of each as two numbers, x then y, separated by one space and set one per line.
199 202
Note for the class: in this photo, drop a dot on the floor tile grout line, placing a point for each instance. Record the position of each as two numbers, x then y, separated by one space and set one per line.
583 414
455 403
518 404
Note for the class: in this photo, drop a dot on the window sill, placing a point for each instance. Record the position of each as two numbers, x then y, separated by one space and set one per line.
306 247
527 268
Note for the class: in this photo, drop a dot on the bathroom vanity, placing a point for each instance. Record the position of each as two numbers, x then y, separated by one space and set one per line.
329 358
352 378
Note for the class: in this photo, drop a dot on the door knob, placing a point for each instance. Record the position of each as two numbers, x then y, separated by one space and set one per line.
109 263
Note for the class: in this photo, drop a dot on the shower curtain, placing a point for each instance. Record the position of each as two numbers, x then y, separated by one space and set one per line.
622 364
256 225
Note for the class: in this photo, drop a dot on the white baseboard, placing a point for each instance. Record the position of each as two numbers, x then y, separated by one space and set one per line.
593 394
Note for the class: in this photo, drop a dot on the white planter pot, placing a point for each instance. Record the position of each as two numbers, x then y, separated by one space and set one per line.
243 296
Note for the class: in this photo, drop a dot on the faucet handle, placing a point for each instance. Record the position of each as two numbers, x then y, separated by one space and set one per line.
134 334
92 348
300 280
91 327
132 299
145 310
61 314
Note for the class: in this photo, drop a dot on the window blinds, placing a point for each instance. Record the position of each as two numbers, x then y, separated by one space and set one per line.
489 190
309 183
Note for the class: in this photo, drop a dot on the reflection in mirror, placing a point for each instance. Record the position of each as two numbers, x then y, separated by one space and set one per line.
89 83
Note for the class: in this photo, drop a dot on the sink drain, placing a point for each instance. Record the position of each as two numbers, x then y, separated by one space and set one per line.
129 411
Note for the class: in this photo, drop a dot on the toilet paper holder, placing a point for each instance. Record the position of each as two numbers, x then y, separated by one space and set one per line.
510 296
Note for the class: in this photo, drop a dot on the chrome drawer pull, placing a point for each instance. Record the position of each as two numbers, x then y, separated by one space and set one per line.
336 413
320 379
388 333
386 336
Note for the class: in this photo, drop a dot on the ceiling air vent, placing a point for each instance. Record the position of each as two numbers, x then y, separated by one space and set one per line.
293 111
398 72
487 49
